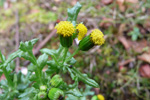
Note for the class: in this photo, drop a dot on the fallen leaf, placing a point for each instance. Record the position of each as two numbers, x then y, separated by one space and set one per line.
144 71
124 41
138 46
145 57
121 5
106 2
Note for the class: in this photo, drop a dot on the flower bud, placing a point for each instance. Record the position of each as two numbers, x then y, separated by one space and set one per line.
56 94
82 30
100 97
56 81
65 29
95 38
43 88
85 44
42 95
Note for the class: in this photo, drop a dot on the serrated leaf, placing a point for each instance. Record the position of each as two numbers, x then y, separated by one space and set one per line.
74 92
48 51
26 56
42 60
73 13
31 67
84 78
29 92
12 56
28 45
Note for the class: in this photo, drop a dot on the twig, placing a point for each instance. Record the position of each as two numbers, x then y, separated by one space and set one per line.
37 49
17 39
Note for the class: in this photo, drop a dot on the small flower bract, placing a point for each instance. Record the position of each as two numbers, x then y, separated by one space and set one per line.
97 37
82 31
65 28
100 97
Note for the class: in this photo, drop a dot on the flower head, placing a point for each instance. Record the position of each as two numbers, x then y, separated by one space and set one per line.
82 31
100 97
65 28
97 37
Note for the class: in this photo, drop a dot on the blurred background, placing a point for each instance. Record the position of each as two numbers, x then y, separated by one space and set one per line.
121 66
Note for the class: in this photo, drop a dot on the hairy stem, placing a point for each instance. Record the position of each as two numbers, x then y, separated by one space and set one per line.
72 55
65 54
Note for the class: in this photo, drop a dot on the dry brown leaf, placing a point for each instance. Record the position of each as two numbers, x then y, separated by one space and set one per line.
144 71
138 46
121 5
106 2
124 41
145 57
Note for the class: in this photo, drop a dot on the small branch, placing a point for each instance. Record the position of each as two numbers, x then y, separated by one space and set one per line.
37 49
65 54
17 39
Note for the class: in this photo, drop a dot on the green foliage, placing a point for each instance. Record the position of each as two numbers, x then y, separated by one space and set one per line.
135 34
28 87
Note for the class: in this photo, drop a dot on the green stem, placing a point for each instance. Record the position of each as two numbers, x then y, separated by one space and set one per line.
61 48
72 55
65 54
55 59
10 83
38 74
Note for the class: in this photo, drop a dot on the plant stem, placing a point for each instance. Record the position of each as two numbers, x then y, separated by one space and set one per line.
72 55
55 59
10 83
38 74
65 54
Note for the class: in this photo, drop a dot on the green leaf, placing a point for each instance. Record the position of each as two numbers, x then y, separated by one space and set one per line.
23 81
84 78
52 67
31 67
135 34
28 94
48 51
27 56
42 60
12 57
28 45
73 13
74 92
2 57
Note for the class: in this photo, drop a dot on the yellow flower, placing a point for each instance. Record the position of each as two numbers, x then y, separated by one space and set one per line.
65 28
100 97
97 37
82 31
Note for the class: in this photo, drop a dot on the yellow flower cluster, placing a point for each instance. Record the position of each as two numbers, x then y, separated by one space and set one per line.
100 97
65 28
82 31
97 37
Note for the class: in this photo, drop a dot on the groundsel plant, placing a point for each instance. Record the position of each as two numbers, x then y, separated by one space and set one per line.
49 85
